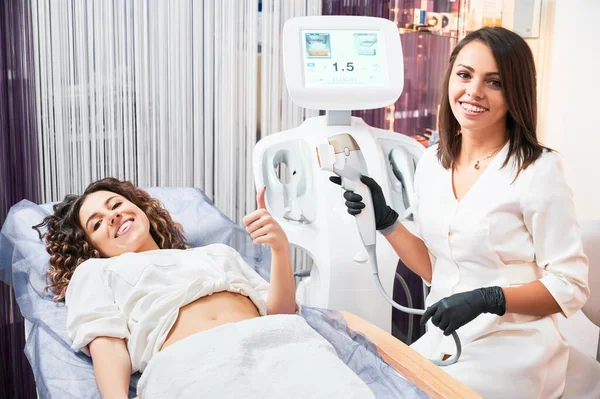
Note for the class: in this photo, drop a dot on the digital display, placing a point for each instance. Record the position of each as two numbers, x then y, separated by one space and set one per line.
343 57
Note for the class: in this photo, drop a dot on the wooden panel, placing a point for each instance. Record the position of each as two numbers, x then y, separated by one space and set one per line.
430 378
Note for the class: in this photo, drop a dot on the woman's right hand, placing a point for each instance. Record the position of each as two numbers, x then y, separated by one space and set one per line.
384 215
263 228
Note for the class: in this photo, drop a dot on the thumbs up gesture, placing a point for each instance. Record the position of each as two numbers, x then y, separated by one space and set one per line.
263 228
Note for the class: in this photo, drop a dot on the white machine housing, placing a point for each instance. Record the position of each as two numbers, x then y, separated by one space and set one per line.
310 208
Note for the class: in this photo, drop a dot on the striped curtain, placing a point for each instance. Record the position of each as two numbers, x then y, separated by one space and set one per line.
161 93
278 113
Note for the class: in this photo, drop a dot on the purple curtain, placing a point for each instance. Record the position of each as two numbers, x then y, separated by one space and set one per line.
19 176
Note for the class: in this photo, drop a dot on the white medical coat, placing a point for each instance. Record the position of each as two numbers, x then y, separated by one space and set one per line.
503 232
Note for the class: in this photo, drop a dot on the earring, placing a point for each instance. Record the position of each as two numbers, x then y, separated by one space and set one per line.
458 133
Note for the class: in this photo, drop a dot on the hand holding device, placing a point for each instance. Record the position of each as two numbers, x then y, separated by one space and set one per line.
455 311
385 216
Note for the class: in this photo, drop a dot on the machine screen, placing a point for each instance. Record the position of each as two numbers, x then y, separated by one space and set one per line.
343 57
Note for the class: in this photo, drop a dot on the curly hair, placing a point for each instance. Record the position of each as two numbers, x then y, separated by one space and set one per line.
66 240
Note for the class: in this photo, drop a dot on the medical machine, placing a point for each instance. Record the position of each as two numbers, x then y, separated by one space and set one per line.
339 64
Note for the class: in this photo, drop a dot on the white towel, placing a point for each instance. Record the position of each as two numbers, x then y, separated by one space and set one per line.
277 356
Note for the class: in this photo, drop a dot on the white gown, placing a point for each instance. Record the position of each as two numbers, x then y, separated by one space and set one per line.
503 232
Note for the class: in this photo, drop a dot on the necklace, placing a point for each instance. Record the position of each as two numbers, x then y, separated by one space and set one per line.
477 161
476 166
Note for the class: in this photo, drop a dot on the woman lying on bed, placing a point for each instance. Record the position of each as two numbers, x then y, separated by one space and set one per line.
139 299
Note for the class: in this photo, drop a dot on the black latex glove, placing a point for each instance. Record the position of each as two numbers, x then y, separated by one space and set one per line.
384 215
455 311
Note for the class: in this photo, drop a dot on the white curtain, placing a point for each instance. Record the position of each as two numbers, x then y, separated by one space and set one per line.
278 113
161 93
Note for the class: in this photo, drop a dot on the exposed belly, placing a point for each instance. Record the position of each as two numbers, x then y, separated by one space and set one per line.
208 312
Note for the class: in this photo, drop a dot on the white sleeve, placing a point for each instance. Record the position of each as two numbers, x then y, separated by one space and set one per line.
549 214
254 279
91 308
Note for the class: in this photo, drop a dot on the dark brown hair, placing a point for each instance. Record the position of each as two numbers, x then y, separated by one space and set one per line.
66 240
517 74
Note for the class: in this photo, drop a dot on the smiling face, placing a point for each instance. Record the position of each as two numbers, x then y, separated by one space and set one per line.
114 225
475 91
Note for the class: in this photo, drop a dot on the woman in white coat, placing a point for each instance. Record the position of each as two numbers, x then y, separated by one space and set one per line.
493 209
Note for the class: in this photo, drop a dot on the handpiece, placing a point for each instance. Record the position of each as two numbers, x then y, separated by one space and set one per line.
343 157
